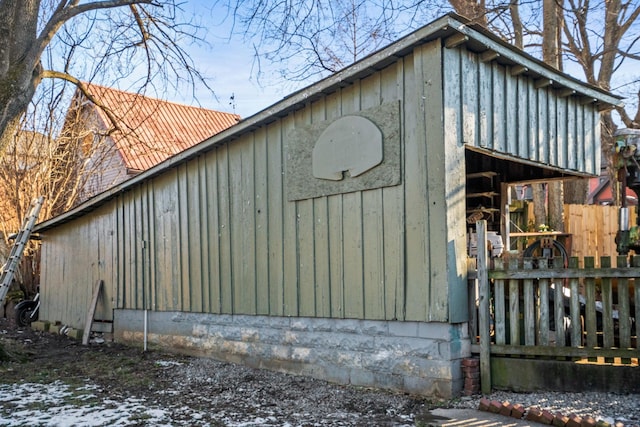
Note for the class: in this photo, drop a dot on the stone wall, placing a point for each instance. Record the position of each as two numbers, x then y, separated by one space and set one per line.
415 357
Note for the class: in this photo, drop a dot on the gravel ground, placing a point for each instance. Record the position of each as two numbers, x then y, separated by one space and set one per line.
55 381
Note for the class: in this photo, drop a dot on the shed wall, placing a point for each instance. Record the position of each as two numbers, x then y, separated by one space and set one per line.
74 257
217 234
498 108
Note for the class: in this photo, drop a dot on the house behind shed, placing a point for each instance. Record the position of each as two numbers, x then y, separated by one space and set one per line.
326 235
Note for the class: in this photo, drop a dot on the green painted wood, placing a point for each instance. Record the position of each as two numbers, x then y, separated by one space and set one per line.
352 223
576 320
275 201
522 126
514 306
590 306
353 256
623 305
469 95
206 282
320 226
512 105
417 264
336 255
533 121
607 305
446 264
484 313
224 231
553 351
261 213
392 83
212 274
195 241
290 238
543 307
529 307
499 306
183 289
485 100
499 108
373 222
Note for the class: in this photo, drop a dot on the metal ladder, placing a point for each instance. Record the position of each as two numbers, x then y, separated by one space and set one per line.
10 266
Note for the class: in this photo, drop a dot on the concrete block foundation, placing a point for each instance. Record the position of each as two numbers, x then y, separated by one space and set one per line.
414 357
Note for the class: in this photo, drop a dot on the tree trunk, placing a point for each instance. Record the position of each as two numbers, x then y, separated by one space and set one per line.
19 76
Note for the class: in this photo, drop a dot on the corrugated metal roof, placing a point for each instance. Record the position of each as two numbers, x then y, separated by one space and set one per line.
151 130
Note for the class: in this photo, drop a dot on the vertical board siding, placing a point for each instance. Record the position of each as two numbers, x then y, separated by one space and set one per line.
80 253
218 234
514 117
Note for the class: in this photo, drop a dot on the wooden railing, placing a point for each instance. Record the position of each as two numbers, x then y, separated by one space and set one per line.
541 307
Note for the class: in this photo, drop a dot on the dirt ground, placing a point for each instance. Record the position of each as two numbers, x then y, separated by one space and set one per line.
185 390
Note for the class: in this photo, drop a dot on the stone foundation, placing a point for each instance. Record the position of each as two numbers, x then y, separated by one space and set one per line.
415 357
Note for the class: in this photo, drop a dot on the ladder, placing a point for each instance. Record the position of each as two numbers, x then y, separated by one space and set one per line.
11 265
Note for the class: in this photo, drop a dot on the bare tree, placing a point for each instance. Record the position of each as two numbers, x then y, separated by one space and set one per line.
115 38
45 163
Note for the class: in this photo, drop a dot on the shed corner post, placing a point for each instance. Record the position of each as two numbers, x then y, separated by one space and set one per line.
483 312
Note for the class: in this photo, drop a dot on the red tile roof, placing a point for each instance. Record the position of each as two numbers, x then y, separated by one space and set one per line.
151 130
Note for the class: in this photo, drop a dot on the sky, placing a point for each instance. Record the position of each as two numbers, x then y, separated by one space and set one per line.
230 66
231 69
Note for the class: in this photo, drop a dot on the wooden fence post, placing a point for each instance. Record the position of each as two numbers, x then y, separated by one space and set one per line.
484 319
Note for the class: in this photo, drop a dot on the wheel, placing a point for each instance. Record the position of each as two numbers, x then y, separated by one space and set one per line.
25 313
549 249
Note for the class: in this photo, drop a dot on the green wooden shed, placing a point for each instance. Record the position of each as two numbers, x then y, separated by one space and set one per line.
327 234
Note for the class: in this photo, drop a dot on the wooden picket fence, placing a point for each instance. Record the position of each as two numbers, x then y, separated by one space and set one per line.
542 308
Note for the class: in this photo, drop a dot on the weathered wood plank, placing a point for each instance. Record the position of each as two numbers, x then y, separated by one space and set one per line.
566 273
514 306
529 307
262 157
559 310
623 306
543 306
499 306
484 314
275 204
576 322
552 351
607 306
590 306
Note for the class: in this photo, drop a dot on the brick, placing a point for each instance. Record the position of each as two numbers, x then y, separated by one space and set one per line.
495 406
470 383
506 409
560 420
471 362
588 422
472 375
484 404
517 411
574 421
546 417
533 414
